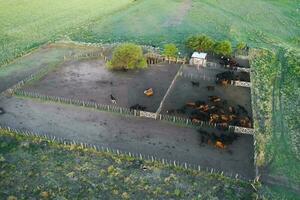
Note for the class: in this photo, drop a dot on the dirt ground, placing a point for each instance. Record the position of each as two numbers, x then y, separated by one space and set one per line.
89 80
137 135
35 61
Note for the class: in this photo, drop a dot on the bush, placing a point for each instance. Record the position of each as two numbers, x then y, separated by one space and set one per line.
127 56
170 51
223 48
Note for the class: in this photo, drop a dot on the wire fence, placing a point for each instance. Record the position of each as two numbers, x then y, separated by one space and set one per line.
102 107
139 156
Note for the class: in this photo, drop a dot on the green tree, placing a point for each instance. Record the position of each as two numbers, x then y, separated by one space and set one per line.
127 56
200 43
223 48
170 51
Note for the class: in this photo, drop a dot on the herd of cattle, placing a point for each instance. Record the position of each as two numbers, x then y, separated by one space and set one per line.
218 140
225 78
217 111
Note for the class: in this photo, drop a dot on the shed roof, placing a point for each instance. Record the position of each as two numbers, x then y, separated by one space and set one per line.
200 55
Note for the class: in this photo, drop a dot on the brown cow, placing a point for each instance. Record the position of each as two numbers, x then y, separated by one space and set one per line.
220 145
225 118
203 108
214 118
191 104
214 99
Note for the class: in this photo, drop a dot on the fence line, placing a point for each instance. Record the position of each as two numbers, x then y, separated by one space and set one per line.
139 156
131 112
212 65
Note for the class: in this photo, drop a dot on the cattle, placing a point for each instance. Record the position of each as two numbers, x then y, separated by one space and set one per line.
222 126
195 120
203 108
231 109
113 99
213 118
191 104
224 118
214 99
245 122
220 145
138 107
210 88
195 84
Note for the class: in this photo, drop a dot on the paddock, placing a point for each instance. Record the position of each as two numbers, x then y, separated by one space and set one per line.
90 80
194 86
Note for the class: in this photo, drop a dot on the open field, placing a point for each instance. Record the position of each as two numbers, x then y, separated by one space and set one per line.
259 23
31 167
25 26
90 80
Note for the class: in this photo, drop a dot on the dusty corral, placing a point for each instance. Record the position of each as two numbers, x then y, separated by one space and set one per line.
90 80
131 134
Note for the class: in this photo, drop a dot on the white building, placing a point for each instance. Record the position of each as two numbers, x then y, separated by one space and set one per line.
198 59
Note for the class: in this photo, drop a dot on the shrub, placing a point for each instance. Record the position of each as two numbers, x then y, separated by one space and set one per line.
127 56
170 51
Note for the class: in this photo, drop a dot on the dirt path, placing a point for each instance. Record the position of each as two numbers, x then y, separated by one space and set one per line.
177 18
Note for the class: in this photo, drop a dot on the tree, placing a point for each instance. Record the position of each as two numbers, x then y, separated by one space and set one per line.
223 48
127 56
170 51
200 43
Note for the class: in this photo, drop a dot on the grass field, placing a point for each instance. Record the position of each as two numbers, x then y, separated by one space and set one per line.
70 172
276 107
258 22
27 25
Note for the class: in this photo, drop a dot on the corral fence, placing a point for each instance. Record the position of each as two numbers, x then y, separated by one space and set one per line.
242 84
138 156
154 58
107 45
200 76
212 65
130 112
102 107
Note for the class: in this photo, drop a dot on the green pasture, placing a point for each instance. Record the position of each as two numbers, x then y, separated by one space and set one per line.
257 22
276 100
25 25
40 169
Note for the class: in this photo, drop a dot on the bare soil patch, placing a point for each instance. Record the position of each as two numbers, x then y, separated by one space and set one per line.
90 80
